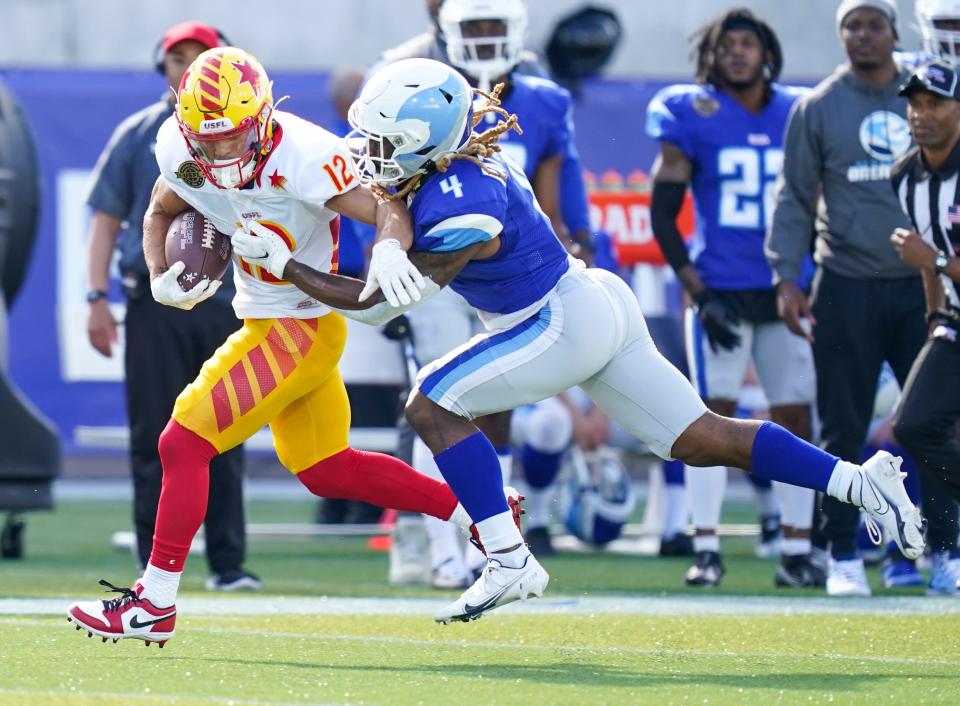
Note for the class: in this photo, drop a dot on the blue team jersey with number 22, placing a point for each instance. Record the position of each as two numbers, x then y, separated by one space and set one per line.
736 156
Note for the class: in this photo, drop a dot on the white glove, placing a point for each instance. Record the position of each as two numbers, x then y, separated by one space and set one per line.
391 271
167 290
261 247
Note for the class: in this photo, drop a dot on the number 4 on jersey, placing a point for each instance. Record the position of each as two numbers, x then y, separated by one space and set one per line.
452 183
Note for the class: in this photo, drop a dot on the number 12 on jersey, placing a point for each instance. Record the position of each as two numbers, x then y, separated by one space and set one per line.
747 178
339 165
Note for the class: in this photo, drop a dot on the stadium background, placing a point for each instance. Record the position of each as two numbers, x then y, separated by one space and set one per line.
327 629
85 65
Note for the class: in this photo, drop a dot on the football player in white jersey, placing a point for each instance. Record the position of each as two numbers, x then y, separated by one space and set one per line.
229 154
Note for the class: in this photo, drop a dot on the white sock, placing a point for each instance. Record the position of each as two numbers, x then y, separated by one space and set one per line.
845 476
444 545
796 505
766 501
515 558
706 543
677 515
506 466
705 489
159 586
537 505
795 546
499 532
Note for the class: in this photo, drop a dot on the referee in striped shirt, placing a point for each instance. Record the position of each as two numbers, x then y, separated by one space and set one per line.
927 183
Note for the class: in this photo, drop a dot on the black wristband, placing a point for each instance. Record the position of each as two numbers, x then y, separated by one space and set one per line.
95 294
665 204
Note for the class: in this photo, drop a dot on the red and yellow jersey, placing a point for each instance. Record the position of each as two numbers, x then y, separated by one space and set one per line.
306 167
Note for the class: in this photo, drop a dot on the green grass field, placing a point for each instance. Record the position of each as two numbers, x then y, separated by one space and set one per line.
678 648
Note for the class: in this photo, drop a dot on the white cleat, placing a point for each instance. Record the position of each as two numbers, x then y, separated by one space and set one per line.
885 500
497 586
847 578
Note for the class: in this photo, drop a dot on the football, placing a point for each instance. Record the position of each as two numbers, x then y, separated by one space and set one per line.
193 240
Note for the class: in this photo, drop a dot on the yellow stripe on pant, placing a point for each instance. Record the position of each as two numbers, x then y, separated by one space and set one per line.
281 372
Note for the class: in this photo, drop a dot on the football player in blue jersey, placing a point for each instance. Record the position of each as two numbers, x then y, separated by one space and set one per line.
723 136
551 324
484 40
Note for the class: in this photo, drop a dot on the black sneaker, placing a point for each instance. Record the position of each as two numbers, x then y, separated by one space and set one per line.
538 539
236 580
707 571
679 544
795 572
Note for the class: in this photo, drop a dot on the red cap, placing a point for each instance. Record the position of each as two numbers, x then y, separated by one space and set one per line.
197 31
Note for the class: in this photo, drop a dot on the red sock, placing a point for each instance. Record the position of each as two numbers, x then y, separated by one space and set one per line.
183 498
380 480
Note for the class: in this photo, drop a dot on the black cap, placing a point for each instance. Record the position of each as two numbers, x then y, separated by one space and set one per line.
939 78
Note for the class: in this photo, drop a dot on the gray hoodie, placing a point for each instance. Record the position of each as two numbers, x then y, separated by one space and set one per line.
842 139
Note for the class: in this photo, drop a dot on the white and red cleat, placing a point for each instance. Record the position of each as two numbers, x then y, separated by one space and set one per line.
514 503
128 616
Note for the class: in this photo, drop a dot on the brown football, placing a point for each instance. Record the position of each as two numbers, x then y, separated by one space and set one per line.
193 240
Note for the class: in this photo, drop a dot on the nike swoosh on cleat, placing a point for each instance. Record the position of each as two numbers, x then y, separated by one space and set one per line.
471 610
881 500
135 624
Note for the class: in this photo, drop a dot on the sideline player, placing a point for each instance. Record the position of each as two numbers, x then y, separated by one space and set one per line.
724 137
228 153
552 324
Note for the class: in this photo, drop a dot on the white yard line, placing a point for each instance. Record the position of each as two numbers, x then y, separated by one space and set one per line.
587 605
553 648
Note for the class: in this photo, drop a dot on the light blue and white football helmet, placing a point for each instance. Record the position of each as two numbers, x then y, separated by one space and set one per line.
598 499
409 114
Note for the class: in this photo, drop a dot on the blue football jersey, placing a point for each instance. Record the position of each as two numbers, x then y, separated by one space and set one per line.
465 205
736 156
544 111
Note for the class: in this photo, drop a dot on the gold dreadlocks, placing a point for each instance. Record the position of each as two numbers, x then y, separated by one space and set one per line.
478 147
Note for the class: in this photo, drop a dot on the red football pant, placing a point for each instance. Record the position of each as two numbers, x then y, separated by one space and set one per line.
183 495
356 475
380 480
